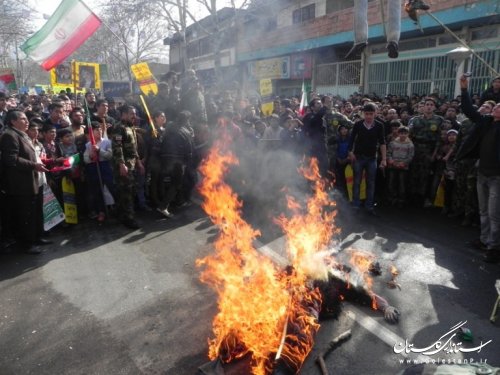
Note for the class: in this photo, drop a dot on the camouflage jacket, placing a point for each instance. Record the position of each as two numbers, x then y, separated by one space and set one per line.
331 122
124 144
425 132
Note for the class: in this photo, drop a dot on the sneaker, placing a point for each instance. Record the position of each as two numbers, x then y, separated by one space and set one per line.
393 50
131 223
165 212
492 256
33 250
101 217
356 50
428 203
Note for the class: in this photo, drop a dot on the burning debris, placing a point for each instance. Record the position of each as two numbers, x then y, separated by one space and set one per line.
268 314
334 344
392 283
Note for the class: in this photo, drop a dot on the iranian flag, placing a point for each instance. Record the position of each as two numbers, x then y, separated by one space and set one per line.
71 24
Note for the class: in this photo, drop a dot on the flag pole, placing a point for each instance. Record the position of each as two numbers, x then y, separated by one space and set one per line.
98 167
150 120
109 28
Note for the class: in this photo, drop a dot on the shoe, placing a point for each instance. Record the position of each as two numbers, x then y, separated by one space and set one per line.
477 244
187 203
43 241
393 50
428 203
373 213
8 243
145 207
492 256
356 50
419 5
165 212
131 223
101 217
34 250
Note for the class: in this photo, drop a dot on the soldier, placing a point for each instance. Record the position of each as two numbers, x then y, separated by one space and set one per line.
125 162
332 120
425 134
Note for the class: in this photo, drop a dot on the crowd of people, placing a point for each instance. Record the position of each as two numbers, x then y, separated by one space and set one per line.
406 150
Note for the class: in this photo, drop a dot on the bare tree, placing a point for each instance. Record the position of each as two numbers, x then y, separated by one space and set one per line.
132 33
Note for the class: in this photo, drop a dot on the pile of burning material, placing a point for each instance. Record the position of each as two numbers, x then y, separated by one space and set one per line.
267 315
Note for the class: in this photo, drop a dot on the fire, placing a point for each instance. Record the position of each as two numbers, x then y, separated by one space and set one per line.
263 310
309 230
252 300
394 271
362 262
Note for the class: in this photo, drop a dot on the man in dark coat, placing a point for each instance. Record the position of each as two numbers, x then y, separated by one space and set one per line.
20 179
483 142
493 92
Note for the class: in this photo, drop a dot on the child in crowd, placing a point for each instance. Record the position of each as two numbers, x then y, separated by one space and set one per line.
96 155
66 146
394 128
342 158
449 173
399 156
49 134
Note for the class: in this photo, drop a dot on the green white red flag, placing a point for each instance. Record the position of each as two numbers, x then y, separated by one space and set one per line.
71 24
303 100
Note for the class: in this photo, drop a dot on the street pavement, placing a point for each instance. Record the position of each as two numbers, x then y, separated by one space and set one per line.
106 300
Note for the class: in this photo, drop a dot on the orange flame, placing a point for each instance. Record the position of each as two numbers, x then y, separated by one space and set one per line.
257 301
394 271
362 261
309 231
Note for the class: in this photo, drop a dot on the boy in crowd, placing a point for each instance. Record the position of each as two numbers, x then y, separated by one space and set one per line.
399 156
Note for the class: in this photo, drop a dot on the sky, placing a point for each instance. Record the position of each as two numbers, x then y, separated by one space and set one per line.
49 6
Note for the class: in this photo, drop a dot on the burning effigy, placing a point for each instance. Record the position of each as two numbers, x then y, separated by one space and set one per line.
268 313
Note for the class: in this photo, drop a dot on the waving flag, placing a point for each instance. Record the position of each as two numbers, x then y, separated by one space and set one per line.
303 100
71 24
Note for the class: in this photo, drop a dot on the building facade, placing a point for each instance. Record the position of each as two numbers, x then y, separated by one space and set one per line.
292 41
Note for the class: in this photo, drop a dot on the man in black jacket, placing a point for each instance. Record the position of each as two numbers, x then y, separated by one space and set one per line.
176 152
366 137
493 92
484 143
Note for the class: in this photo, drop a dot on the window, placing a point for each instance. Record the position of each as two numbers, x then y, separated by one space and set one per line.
485 33
304 14
338 5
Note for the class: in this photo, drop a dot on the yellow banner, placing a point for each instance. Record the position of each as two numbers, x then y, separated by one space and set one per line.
267 109
145 78
86 75
266 87
62 75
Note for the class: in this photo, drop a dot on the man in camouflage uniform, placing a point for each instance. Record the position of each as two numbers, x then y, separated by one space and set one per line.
332 120
425 134
125 162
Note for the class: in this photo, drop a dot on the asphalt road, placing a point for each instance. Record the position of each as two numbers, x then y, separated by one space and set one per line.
104 300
